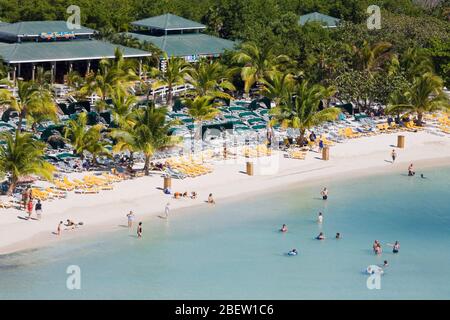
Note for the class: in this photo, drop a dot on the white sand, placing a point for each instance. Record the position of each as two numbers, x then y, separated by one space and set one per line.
106 211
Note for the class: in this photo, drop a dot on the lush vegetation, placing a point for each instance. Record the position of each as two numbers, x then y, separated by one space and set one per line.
404 65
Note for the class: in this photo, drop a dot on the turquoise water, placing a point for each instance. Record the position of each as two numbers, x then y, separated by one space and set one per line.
233 250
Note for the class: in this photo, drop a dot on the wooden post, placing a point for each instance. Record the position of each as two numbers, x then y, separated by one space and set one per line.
401 142
250 168
167 182
326 153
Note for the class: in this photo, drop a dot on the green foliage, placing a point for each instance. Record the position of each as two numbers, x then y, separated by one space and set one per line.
21 156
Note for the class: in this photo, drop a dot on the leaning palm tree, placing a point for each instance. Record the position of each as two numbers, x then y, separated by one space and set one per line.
301 110
416 62
257 62
201 109
371 58
425 95
31 101
211 79
148 133
173 75
21 156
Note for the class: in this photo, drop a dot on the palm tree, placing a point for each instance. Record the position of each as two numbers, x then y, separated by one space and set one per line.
257 62
416 62
301 110
211 79
84 138
371 58
111 73
22 156
425 95
174 74
201 109
32 102
122 105
277 86
148 133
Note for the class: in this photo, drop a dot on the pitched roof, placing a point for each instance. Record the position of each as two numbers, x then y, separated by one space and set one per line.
27 52
35 28
188 44
168 22
325 20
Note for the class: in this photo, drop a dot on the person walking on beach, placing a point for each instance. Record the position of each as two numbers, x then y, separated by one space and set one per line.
324 194
167 209
38 209
394 156
130 217
139 230
30 208
58 229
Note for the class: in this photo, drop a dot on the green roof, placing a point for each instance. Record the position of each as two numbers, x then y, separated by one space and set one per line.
36 28
27 52
188 44
168 22
326 21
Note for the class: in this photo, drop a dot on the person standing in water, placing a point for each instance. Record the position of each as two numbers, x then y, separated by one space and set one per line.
284 228
338 235
130 217
139 230
395 247
393 155
167 209
58 230
411 170
324 193
320 218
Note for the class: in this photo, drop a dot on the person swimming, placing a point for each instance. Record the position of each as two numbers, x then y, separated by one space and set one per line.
293 252
320 236
338 235
385 264
284 228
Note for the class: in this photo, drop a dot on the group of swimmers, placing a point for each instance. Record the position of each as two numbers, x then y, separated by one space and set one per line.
378 250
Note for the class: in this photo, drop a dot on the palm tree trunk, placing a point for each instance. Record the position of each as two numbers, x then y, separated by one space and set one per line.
169 97
147 165
12 186
19 125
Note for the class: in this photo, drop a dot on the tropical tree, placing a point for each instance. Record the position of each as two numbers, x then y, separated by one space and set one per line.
32 102
111 74
211 79
175 71
371 58
257 62
148 133
277 86
301 110
21 156
84 138
122 104
425 95
201 109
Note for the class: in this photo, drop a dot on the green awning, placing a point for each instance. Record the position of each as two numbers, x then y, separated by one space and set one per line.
168 22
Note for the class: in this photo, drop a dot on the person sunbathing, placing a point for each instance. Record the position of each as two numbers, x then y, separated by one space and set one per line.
70 224
194 195
177 195
185 194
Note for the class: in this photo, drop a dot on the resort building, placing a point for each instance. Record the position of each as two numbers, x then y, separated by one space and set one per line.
323 19
56 47
180 37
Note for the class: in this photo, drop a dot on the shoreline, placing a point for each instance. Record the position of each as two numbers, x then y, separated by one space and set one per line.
353 159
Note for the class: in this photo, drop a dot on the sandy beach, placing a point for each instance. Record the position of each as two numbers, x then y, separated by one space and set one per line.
107 210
